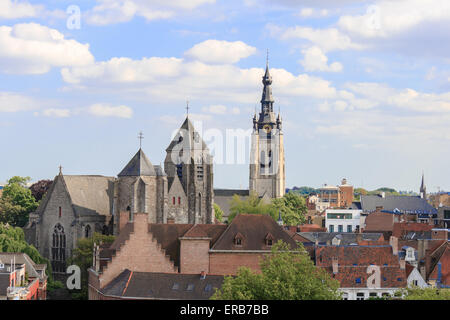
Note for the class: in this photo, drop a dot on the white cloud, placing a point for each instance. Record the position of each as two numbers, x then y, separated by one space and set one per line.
105 110
56 113
312 13
389 18
316 60
175 79
117 11
327 39
306 12
10 9
216 109
34 49
13 102
220 52
221 110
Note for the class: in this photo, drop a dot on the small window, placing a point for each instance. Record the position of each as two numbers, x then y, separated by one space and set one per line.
238 242
360 296
60 212
173 200
358 280
384 279
190 287
179 200
208 288
399 279
269 242
176 286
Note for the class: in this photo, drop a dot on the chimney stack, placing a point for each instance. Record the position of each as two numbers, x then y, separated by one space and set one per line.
335 264
402 264
393 242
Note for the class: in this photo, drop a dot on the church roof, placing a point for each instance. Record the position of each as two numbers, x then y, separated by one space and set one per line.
195 142
91 195
140 165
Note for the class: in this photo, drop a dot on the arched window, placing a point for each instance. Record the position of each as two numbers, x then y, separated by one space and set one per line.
59 249
105 230
87 231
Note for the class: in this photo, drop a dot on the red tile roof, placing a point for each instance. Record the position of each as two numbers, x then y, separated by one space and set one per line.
353 263
445 267
402 228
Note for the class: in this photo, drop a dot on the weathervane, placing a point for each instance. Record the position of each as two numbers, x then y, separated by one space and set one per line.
140 137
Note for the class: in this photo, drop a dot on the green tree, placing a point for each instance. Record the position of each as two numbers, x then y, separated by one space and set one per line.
416 293
17 202
82 257
285 275
13 240
218 212
292 207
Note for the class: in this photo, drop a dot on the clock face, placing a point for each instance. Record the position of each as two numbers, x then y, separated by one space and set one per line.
267 128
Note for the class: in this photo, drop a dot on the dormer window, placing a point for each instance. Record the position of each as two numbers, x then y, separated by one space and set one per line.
269 239
238 240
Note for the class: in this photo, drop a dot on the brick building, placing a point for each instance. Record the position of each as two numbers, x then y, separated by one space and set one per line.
340 196
183 249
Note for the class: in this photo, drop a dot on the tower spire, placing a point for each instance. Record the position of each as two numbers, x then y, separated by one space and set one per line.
267 99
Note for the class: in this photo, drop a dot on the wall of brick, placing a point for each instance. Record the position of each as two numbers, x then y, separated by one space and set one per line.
140 252
194 255
229 263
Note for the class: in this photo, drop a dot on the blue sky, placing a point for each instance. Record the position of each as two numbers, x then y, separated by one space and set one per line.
363 86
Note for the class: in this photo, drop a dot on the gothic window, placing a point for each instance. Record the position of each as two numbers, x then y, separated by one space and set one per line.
200 173
179 200
173 200
87 231
59 249
60 212
180 171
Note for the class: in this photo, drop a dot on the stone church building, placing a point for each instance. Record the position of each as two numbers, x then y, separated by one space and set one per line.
76 206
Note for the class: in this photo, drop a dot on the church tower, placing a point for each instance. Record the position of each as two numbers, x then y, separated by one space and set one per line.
267 168
189 168
423 188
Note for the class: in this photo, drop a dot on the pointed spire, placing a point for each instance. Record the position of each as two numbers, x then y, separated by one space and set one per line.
267 99
60 170
423 188
139 165
280 220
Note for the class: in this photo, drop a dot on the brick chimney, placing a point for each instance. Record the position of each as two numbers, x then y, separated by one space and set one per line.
402 264
393 242
335 264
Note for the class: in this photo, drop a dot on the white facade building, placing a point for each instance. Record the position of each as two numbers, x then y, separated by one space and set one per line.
342 220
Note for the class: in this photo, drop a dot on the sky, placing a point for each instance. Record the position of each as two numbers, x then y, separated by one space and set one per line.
363 87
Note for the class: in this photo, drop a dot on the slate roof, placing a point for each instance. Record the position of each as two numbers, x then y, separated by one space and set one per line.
346 238
222 198
167 286
444 259
406 204
22 258
254 229
91 195
139 165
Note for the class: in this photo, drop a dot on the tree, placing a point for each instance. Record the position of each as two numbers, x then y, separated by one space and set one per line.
285 275
40 188
252 205
416 293
292 207
13 240
17 202
82 257
218 212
